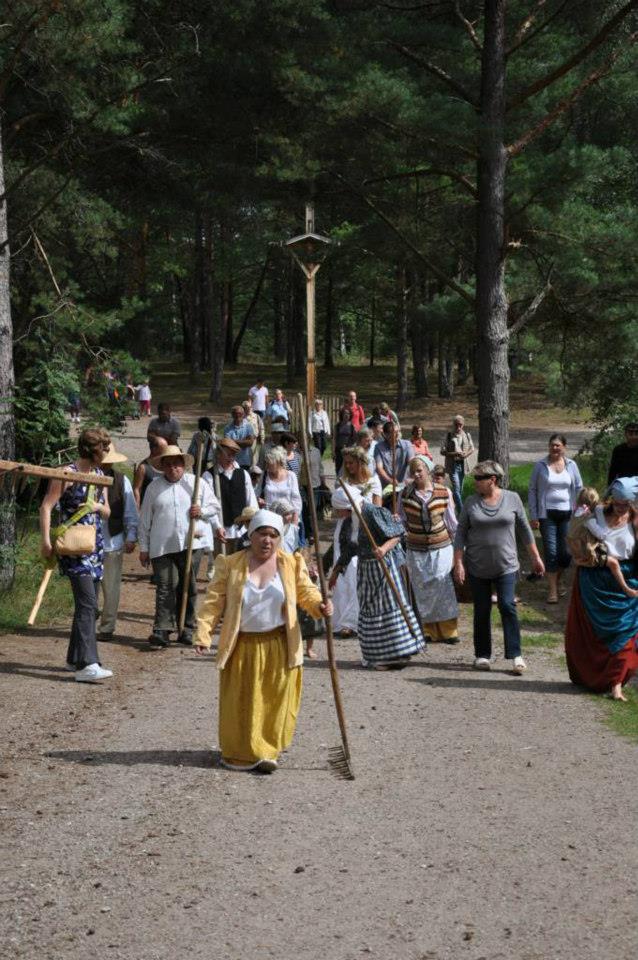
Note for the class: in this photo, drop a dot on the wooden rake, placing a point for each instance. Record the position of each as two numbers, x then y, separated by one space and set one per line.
189 540
338 757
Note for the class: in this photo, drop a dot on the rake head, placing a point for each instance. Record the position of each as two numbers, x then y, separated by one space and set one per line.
340 763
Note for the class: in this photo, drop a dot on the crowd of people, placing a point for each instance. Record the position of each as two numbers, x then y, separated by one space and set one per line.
406 548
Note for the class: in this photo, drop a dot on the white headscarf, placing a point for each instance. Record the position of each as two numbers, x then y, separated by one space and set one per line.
266 518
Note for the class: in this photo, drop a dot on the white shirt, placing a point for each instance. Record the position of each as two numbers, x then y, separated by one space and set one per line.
130 518
143 392
287 489
258 395
620 541
234 531
262 609
164 518
558 494
318 421
315 463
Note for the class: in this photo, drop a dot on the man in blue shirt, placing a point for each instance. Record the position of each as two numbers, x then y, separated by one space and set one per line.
243 434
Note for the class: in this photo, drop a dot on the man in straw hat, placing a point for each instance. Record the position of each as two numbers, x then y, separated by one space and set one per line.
120 536
235 489
163 536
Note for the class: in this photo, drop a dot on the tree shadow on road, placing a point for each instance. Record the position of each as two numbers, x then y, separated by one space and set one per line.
519 684
131 758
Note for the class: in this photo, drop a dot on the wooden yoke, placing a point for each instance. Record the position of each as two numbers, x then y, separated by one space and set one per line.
54 473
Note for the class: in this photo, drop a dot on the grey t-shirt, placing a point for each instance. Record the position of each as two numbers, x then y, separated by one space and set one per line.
488 535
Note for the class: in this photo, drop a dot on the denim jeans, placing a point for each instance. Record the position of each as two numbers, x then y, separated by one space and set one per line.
456 476
554 534
482 596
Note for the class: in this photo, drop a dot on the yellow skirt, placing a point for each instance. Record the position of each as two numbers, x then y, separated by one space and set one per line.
259 698
442 630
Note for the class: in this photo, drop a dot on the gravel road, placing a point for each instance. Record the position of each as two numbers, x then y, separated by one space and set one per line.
491 817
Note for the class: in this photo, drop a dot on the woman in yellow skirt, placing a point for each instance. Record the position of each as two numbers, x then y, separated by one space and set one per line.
260 653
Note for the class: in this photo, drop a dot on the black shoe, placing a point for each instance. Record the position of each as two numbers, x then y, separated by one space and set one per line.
186 638
452 640
105 637
158 640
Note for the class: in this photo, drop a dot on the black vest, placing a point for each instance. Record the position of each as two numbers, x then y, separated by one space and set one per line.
116 503
233 495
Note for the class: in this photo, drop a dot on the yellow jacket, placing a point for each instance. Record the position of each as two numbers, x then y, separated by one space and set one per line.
225 594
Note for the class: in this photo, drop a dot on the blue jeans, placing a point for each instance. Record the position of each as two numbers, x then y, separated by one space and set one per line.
456 476
554 534
482 596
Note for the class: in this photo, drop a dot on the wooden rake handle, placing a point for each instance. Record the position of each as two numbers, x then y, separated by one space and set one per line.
189 539
44 583
380 560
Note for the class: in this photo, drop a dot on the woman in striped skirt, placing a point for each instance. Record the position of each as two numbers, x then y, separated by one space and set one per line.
387 642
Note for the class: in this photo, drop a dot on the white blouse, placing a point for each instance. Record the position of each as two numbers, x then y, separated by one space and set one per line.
620 541
558 495
262 609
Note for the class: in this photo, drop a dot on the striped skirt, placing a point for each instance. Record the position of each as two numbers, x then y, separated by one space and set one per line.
383 632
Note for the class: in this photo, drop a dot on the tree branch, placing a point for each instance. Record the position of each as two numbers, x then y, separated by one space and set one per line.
465 182
529 312
436 71
526 25
521 39
438 272
575 59
469 27
534 132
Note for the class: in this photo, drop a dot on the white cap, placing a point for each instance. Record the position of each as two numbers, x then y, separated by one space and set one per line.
266 518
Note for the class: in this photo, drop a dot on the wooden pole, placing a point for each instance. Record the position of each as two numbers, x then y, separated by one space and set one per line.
332 660
189 540
381 561
311 367
394 471
55 473
40 596
218 494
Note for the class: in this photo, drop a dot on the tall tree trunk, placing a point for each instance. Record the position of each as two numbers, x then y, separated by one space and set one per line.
197 312
217 314
446 384
228 293
462 365
249 310
299 325
373 331
290 323
403 291
418 340
7 421
279 311
491 298
328 359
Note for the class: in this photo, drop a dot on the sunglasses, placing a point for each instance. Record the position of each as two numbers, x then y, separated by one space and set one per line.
485 476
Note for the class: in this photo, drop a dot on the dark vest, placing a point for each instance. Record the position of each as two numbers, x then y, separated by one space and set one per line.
233 495
116 503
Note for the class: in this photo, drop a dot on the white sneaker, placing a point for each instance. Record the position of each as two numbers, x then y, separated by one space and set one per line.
519 666
93 673
482 663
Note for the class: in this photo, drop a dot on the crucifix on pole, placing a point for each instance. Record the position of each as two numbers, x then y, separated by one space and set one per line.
309 250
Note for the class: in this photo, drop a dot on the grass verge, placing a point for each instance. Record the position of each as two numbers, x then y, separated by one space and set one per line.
15 605
622 717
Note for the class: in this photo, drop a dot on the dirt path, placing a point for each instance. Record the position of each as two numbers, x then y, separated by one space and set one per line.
492 817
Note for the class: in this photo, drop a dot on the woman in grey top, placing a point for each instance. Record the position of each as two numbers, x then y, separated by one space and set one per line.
485 544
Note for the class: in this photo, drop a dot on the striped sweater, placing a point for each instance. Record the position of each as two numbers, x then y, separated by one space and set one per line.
425 522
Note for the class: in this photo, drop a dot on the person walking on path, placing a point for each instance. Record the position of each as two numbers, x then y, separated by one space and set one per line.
384 458
86 570
551 497
428 512
279 409
357 415
601 635
257 424
362 486
319 426
164 425
243 435
260 653
345 435
120 536
258 394
279 483
144 397
456 447
205 434
163 534
366 441
145 472
236 492
624 457
418 441
485 546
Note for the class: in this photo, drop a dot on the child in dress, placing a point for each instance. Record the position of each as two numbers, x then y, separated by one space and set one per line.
587 548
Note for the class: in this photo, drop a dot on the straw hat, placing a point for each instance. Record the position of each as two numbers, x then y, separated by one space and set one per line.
245 517
112 456
172 451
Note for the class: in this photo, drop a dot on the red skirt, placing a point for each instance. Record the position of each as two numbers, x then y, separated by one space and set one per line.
589 662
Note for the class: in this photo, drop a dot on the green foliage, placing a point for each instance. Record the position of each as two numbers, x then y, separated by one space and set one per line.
622 717
58 601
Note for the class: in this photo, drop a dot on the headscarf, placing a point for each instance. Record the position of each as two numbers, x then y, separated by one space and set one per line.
623 488
266 518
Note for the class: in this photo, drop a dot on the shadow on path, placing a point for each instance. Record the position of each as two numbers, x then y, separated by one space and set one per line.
132 758
36 671
520 684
